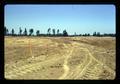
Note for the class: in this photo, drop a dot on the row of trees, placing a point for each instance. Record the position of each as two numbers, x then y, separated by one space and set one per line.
98 34
50 32
95 34
105 34
31 31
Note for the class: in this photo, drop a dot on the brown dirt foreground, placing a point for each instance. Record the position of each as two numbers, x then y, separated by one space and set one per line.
83 58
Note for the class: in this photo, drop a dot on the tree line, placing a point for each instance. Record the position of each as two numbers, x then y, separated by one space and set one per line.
50 32
98 34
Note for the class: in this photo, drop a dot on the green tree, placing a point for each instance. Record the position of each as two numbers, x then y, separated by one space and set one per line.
75 34
49 31
25 32
54 32
31 31
88 34
94 34
12 32
58 32
65 33
98 33
20 31
5 31
37 32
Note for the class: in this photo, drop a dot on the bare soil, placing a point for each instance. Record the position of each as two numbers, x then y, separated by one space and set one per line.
81 58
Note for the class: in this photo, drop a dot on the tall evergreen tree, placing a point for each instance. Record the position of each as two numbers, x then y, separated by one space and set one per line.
54 32
58 32
25 32
49 30
12 32
20 31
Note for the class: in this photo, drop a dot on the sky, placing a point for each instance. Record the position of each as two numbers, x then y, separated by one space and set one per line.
72 17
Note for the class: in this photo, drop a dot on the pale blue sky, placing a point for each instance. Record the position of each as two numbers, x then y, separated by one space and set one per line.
74 18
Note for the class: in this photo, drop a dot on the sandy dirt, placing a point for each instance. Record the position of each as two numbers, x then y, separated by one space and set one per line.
74 58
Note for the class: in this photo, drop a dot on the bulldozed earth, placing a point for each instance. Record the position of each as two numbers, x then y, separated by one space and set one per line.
74 58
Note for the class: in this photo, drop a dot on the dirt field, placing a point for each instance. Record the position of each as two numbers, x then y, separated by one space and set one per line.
60 58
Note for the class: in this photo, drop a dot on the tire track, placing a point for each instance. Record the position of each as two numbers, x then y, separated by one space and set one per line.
65 66
79 73
21 71
93 58
90 61
77 70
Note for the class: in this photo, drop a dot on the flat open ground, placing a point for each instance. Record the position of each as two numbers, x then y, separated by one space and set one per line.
60 58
